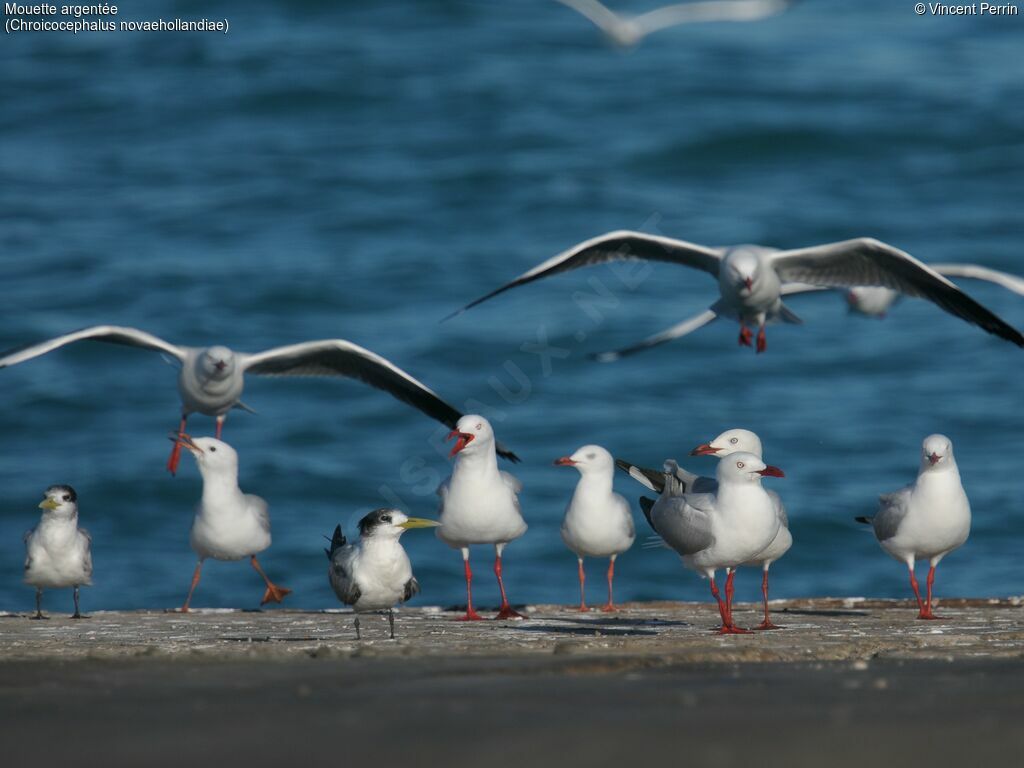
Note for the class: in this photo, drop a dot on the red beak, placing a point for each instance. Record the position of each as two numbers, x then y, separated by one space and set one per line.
933 458
565 461
749 282
465 438
771 471
220 365
704 449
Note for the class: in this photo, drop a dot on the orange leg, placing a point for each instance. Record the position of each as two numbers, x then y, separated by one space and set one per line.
609 607
762 341
506 611
273 593
732 628
175 459
927 612
583 581
767 623
192 588
471 614
745 336
220 425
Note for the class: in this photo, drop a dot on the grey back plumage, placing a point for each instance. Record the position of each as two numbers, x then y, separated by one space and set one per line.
684 521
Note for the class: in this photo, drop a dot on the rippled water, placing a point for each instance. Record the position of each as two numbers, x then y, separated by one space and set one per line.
359 170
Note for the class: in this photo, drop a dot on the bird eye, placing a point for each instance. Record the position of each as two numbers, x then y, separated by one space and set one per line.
66 497
478 427
213 449
734 440
740 465
385 518
591 455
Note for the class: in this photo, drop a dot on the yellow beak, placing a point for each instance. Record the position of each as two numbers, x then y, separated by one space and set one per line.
48 504
418 522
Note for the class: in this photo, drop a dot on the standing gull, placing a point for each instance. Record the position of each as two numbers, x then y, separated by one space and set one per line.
211 379
724 529
598 521
628 31
927 519
374 573
479 505
753 279
228 524
58 552
729 442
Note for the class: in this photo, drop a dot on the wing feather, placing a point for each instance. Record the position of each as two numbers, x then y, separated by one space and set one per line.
112 334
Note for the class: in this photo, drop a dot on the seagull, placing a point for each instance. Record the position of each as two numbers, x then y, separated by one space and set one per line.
211 379
729 442
228 524
479 504
752 280
374 573
58 552
724 529
876 301
630 31
598 521
928 519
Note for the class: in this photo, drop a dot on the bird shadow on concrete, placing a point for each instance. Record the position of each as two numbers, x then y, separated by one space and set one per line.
584 631
820 612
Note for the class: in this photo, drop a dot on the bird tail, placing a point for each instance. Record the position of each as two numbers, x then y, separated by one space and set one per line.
866 519
338 541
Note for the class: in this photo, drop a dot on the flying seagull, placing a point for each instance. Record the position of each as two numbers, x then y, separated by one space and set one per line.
211 379
752 280
628 31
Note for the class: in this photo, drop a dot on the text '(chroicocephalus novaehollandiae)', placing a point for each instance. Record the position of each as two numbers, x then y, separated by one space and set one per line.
627 31
479 505
211 379
598 521
753 279
724 529
374 573
228 524
928 519
729 442
58 552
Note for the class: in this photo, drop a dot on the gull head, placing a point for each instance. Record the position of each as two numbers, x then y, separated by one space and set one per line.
391 523
745 467
61 500
211 454
217 362
936 451
743 269
589 460
730 441
473 435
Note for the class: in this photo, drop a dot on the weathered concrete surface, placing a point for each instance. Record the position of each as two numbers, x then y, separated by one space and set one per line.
815 630
848 684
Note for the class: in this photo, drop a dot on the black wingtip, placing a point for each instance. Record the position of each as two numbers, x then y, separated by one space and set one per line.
338 541
864 519
506 454
646 505
452 315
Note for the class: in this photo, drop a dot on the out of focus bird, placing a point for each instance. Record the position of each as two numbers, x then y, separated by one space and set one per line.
598 521
927 519
374 573
211 379
628 31
752 280
479 505
228 524
58 552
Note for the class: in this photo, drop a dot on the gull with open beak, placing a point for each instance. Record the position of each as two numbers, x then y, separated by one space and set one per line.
58 552
479 505
374 573
228 524
598 521
211 379
724 529
928 519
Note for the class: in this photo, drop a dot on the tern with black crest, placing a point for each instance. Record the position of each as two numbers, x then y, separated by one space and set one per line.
374 574
58 554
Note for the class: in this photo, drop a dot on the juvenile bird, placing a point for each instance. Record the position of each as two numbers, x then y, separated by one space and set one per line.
58 552
228 524
479 505
929 518
374 573
598 521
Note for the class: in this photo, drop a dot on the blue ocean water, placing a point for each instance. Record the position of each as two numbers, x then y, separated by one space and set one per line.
359 170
